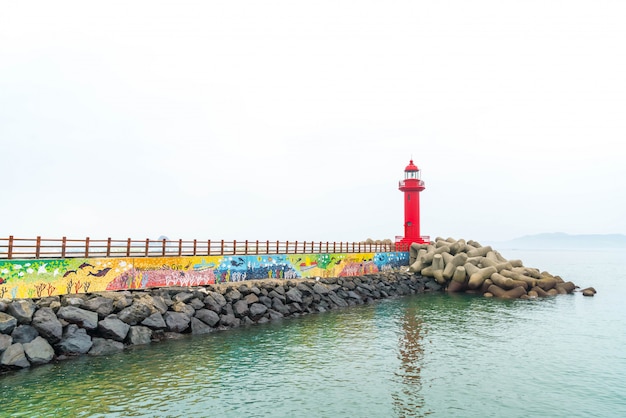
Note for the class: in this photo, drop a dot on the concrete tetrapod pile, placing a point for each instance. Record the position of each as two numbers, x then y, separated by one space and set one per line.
462 266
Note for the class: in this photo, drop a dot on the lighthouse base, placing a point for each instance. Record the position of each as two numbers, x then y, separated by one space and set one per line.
403 244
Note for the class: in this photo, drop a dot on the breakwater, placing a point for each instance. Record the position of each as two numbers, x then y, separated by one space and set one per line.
39 331
467 266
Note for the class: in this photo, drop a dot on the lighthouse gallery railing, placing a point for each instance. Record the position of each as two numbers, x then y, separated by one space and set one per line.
41 248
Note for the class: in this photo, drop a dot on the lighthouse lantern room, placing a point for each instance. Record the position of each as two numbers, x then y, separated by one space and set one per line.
411 186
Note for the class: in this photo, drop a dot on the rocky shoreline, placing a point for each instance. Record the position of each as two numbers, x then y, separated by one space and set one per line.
40 331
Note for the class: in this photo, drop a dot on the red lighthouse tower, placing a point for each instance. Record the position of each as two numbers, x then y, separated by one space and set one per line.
412 185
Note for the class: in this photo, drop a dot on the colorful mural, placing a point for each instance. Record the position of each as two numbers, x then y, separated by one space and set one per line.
40 278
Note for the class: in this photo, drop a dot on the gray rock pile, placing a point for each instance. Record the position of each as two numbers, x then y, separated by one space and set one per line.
38 331
461 266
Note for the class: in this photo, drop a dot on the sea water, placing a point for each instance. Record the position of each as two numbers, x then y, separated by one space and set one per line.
434 355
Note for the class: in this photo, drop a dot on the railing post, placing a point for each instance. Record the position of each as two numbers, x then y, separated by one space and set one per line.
208 248
287 247
246 248
163 248
10 249
38 247
63 246
86 247
334 247
195 245
267 247
277 250
257 247
128 248
109 247
180 247
234 247
147 245
295 250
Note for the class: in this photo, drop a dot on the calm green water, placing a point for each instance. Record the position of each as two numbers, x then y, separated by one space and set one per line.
436 355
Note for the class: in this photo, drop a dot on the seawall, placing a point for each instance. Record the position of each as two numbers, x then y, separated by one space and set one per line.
54 328
36 278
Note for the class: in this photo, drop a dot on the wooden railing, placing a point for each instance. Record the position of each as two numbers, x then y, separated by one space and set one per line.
26 248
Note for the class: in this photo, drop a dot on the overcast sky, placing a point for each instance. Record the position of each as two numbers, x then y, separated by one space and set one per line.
287 120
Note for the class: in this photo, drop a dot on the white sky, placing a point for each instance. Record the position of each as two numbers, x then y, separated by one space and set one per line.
295 119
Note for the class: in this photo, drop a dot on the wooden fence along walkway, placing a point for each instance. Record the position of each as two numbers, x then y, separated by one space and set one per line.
43 248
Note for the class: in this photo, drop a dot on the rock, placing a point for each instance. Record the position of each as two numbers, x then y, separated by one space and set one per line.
24 334
86 319
73 301
198 327
183 297
232 296
207 316
590 291
240 308
176 321
48 325
74 341
257 310
183 308
214 301
105 347
39 351
135 313
22 310
14 357
4 304
7 323
320 289
196 304
293 295
337 300
251 298
139 335
154 321
5 342
279 306
101 305
228 320
113 328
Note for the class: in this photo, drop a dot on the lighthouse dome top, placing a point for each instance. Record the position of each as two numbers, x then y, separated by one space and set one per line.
411 167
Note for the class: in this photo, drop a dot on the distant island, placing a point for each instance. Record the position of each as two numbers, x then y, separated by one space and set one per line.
560 240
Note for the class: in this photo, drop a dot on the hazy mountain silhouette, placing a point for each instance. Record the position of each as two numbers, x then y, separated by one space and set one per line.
560 240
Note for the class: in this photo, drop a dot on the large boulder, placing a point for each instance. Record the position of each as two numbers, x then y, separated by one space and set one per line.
176 321
207 316
7 323
198 327
39 351
14 357
139 335
48 325
155 321
101 305
24 334
257 310
86 319
113 328
105 347
74 341
22 310
5 342
240 308
135 313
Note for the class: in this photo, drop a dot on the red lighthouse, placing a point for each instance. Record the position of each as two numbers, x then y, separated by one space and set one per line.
412 185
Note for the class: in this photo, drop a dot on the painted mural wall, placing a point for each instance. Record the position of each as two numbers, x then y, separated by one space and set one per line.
40 278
